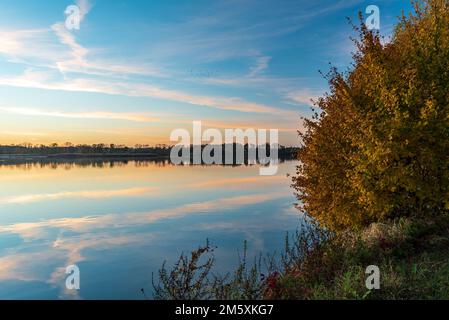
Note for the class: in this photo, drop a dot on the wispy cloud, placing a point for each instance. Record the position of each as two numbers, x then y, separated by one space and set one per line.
289 125
77 51
30 46
23 133
57 48
85 6
261 65
82 115
302 97
77 64
78 60
143 90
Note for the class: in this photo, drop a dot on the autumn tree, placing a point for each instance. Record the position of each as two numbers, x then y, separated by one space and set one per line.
378 146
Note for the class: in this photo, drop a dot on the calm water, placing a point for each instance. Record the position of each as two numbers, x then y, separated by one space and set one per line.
118 222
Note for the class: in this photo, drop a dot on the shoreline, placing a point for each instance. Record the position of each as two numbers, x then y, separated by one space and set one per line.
80 156
13 159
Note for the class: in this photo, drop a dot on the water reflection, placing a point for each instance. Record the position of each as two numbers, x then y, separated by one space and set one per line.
77 163
119 220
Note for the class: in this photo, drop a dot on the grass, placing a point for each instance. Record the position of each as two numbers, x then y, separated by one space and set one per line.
412 255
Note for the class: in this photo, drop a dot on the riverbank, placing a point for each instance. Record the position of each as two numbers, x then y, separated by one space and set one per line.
412 255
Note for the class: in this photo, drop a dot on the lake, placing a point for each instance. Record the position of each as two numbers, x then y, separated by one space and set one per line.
119 221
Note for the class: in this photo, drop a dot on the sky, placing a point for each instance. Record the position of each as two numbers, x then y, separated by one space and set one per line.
137 70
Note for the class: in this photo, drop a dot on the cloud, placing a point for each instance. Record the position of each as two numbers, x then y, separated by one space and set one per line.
140 89
33 46
70 58
78 61
78 52
302 97
261 65
84 6
290 124
57 48
23 133
134 117
225 103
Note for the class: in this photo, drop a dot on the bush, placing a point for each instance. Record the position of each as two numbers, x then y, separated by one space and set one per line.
192 278
378 148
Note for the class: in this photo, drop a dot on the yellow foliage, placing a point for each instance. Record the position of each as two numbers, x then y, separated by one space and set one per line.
380 146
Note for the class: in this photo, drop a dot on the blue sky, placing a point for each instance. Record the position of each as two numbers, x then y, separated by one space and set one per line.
136 70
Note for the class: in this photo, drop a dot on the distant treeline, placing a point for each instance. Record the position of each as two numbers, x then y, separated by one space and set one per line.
102 150
94 149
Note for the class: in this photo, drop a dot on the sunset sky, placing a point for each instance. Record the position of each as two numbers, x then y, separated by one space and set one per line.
136 70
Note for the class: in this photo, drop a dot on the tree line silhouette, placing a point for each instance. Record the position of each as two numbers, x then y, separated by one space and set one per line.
160 151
